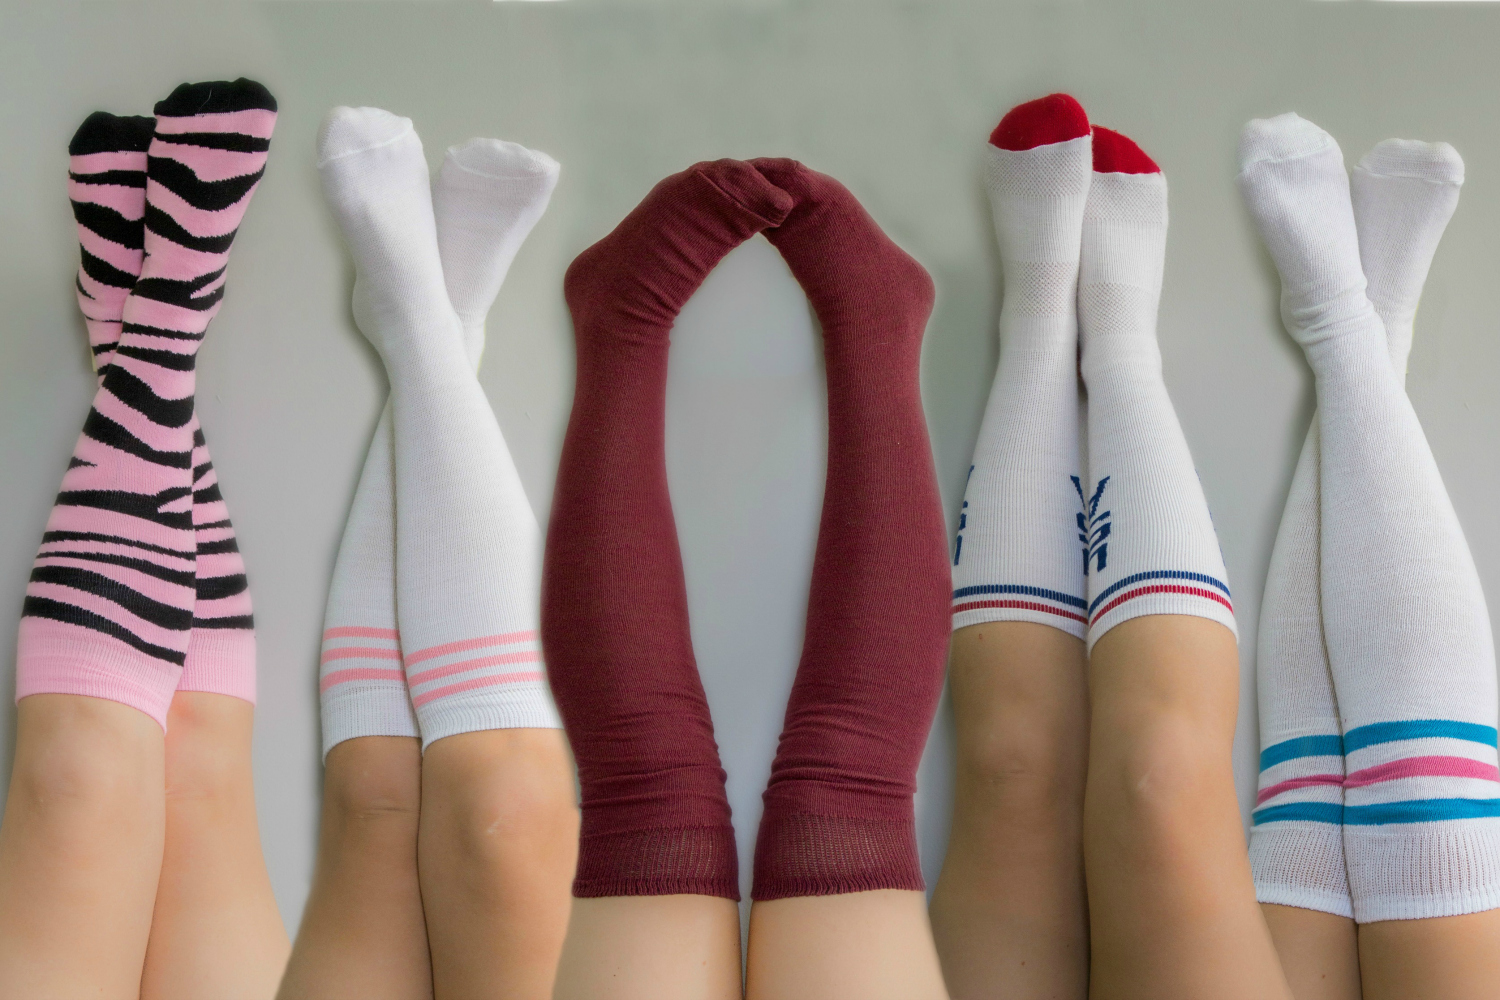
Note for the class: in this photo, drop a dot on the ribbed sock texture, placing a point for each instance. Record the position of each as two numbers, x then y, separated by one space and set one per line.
838 806
614 611
1152 549
1403 195
467 549
1017 556
486 198
110 611
1405 623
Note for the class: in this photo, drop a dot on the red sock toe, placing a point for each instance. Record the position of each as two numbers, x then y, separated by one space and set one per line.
1118 154
1055 118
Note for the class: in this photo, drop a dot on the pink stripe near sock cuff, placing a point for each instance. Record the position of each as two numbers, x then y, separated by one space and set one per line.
337 677
359 632
1023 605
472 683
359 653
252 121
1292 784
506 639
1423 767
435 673
1162 588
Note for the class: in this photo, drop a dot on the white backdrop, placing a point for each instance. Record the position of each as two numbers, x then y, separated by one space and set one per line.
895 98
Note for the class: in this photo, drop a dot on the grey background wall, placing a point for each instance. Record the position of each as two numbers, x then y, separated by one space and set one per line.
894 98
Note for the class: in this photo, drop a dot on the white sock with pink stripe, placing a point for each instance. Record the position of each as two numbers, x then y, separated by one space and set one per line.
466 547
1404 193
1152 546
1407 631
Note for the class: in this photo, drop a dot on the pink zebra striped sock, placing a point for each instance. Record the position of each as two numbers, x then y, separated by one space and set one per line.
107 188
468 553
486 199
109 611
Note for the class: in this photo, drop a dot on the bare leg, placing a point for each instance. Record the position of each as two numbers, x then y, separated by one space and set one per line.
497 846
215 931
1010 913
80 848
1319 952
363 932
1440 958
651 948
1172 910
858 945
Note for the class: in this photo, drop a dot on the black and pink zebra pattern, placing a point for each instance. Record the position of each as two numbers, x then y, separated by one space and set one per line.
139 567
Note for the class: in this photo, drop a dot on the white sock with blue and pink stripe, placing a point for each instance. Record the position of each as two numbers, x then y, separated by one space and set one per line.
1404 193
1017 554
440 525
1405 622
1152 549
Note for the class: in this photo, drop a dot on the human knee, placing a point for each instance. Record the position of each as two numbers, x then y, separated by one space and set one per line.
1023 759
1158 767
373 783
504 803
83 776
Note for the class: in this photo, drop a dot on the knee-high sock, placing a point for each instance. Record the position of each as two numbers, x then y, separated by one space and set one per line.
614 610
1407 631
467 546
838 806
107 187
486 198
1404 194
1151 543
1016 557
109 611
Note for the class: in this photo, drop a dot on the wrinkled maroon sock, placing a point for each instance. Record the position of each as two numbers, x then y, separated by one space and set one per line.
838 808
614 605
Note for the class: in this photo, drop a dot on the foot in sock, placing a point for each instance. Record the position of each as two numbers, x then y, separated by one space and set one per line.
838 812
1403 196
614 611
486 199
1016 557
107 187
110 608
1407 631
1151 547
467 546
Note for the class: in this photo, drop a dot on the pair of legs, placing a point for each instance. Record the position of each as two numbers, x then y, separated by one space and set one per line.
862 944
1145 724
1094 668
440 874
1378 783
144 846
449 828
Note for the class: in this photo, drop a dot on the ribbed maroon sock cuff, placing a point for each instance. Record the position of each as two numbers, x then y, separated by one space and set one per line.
700 861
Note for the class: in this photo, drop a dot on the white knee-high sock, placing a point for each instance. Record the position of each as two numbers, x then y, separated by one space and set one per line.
1407 631
1152 547
1017 555
486 199
1404 193
467 546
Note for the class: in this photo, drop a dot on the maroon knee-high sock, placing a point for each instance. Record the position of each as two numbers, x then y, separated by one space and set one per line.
838 808
614 605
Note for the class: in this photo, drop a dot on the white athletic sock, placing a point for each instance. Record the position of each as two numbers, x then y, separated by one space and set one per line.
1152 547
1407 631
467 547
1017 556
1404 194
486 199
